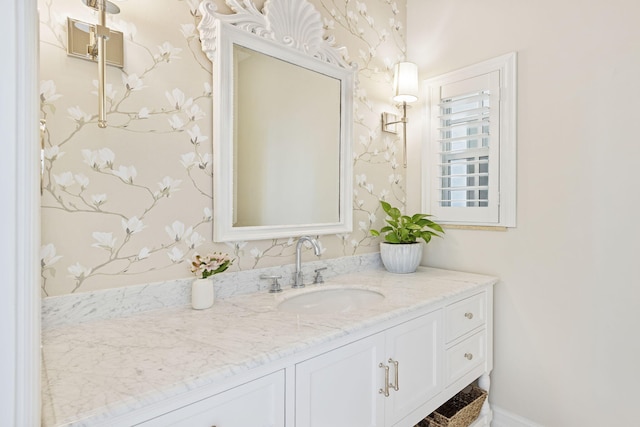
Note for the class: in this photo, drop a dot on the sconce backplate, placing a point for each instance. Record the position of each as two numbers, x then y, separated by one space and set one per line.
81 40
390 122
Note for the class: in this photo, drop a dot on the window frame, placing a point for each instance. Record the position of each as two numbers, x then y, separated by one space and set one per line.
504 214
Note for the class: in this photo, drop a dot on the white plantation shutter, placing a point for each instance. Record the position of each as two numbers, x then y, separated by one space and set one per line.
468 155
467 138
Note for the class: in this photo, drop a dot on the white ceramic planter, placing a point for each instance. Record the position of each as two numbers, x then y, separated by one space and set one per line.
202 294
400 257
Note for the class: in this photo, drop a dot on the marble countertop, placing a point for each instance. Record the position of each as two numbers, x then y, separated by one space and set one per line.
100 369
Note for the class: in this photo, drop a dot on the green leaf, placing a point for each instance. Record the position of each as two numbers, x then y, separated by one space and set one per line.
418 217
406 229
437 227
386 207
392 238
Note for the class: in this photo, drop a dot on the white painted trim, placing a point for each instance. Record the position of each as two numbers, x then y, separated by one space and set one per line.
8 309
19 218
507 67
257 31
504 418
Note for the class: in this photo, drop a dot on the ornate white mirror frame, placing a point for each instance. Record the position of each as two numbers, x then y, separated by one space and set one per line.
291 32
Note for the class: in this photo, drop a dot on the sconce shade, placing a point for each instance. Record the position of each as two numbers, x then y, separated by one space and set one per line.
405 82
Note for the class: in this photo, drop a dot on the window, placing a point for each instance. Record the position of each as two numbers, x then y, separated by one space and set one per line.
470 163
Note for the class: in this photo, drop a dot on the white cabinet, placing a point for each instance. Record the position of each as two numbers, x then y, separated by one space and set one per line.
466 338
415 360
340 388
372 382
259 403
468 346
463 357
465 315
392 378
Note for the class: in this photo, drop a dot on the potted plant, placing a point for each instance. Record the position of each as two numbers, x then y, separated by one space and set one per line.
401 250
202 295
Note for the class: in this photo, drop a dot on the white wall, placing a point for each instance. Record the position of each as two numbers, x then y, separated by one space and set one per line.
567 308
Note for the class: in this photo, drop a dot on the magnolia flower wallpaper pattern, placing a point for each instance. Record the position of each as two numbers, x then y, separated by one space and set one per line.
131 203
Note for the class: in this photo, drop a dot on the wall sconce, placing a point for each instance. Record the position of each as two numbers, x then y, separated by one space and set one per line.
89 41
405 89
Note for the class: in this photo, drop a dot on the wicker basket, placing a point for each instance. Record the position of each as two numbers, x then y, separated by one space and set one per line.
427 422
459 411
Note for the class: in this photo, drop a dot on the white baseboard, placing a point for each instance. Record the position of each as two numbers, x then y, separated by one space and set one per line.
503 418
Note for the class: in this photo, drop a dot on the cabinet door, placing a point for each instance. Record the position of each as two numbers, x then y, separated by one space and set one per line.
415 349
259 403
341 388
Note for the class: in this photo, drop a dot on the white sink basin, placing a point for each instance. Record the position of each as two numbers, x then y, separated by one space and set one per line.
334 300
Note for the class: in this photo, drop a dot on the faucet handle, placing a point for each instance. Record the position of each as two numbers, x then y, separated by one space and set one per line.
318 277
275 285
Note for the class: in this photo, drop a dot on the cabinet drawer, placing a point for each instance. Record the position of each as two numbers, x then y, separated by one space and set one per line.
465 316
463 357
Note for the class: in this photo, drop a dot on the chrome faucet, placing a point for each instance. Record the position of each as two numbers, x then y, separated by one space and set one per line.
297 276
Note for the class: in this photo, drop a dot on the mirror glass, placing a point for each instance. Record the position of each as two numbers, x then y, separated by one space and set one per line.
286 144
282 135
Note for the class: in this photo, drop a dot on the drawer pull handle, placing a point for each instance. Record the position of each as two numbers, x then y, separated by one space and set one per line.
395 384
468 315
468 356
385 390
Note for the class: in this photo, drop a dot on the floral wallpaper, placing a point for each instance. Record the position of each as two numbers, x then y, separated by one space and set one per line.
131 203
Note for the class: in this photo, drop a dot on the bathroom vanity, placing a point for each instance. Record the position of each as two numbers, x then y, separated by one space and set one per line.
277 360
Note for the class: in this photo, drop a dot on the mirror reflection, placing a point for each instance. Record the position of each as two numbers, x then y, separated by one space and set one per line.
286 142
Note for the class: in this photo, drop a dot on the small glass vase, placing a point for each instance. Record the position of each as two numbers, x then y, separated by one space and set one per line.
202 295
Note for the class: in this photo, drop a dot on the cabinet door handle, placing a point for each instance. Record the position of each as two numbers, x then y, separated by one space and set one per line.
468 356
385 390
395 384
468 315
